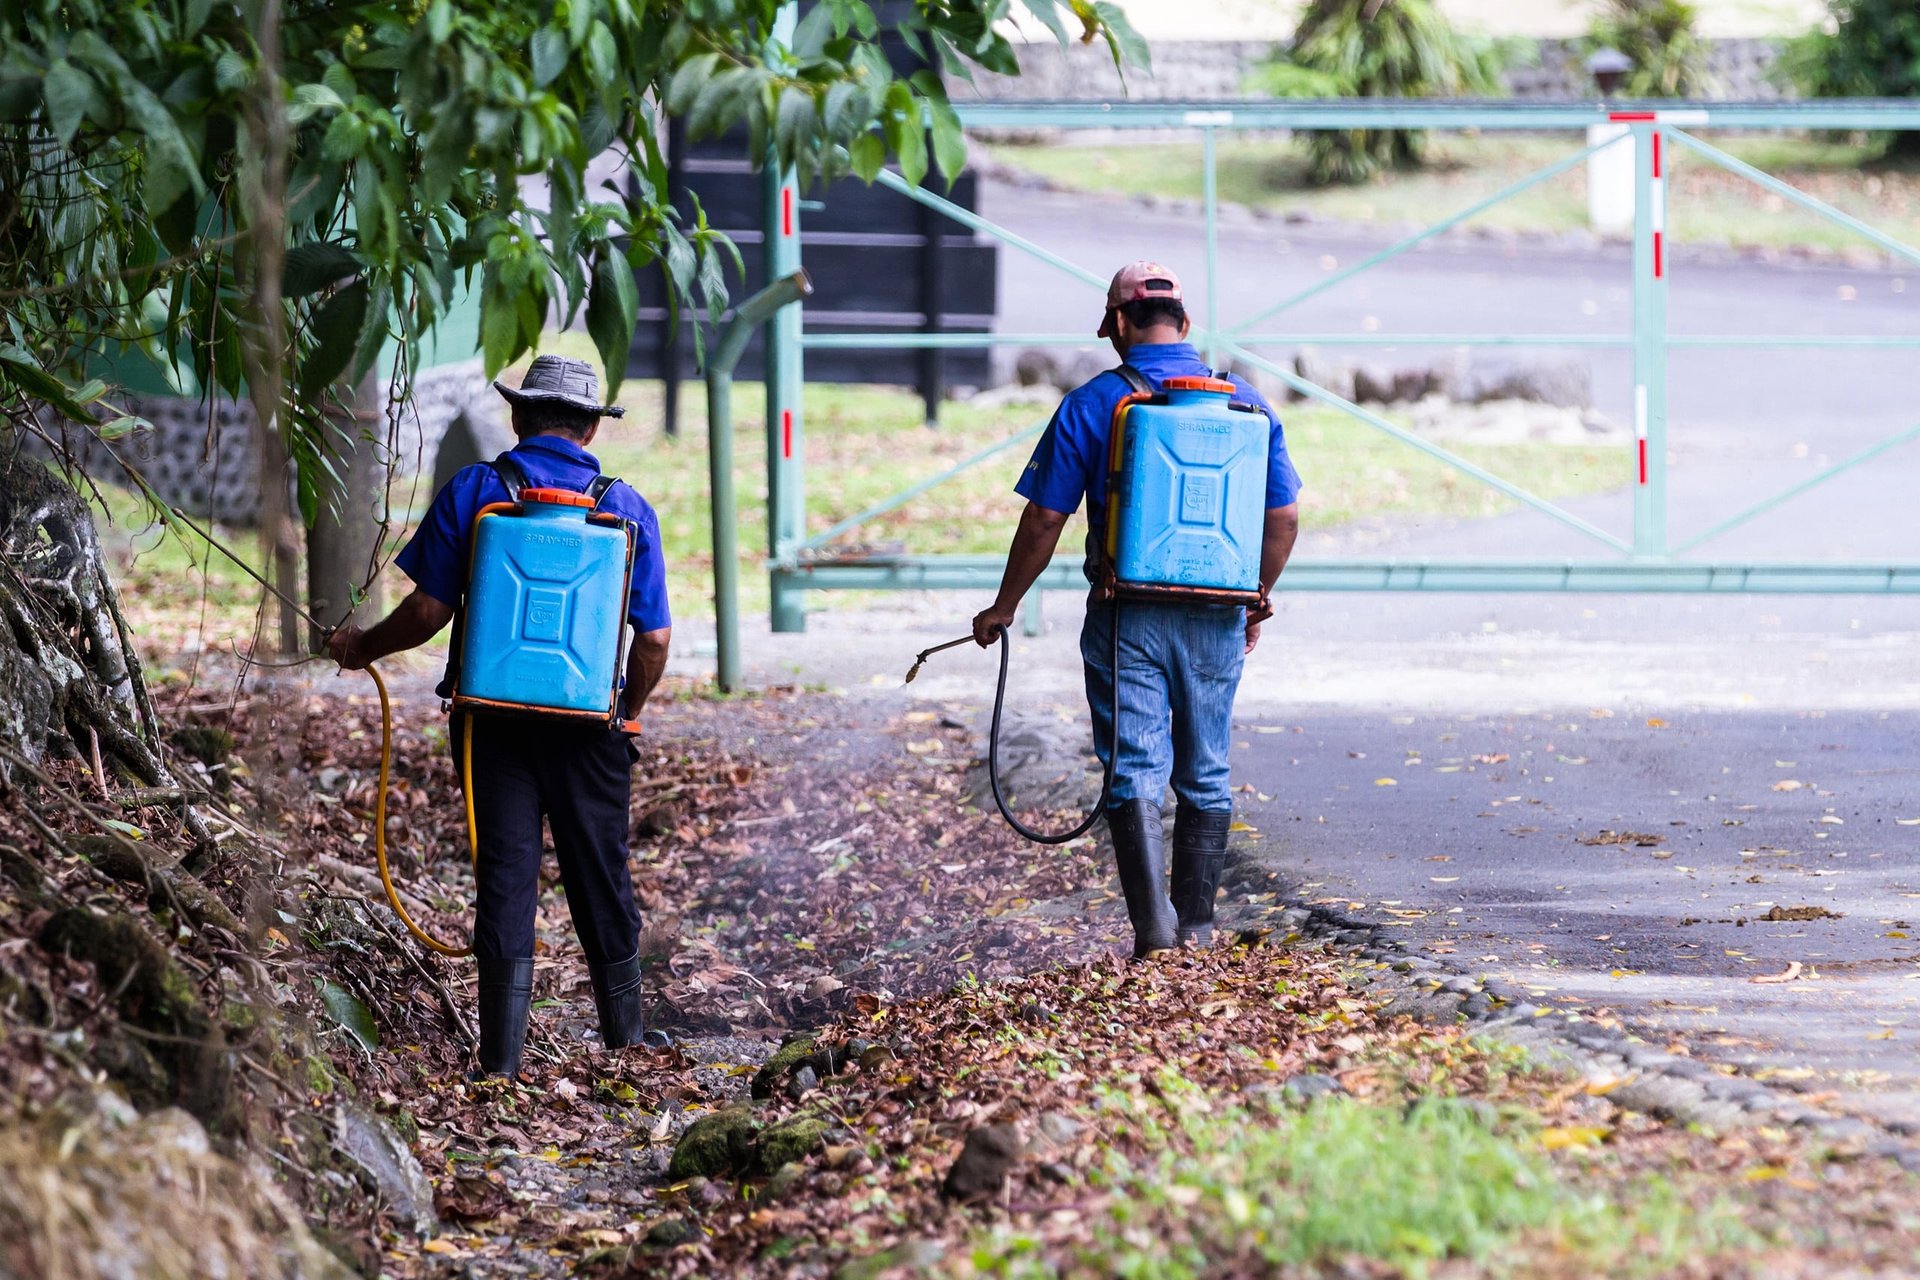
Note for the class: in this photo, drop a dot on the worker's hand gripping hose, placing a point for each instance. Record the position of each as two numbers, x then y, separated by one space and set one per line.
993 735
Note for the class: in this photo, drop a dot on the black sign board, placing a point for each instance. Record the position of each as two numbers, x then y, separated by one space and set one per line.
880 262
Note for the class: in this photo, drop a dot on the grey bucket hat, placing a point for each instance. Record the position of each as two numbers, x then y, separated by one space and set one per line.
560 380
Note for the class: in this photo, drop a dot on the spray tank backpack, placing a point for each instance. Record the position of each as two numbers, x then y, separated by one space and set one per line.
1186 492
542 622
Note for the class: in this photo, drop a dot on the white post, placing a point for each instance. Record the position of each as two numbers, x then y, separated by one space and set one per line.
1610 180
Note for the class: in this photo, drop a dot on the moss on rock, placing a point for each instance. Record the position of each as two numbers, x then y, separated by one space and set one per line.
791 1141
715 1144
783 1063
320 1077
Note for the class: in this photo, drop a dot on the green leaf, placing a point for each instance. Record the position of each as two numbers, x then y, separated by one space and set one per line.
549 53
27 375
1047 13
596 130
439 21
710 113
121 426
904 133
170 169
793 125
309 100
499 332
232 72
611 308
314 266
949 140
67 91
194 18
867 154
1128 47
336 330
352 1016
687 82
603 55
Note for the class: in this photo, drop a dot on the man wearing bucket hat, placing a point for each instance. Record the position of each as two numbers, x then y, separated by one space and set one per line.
1179 663
577 777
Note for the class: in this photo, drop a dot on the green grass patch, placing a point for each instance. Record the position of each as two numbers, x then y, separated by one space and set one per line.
1232 1189
1706 203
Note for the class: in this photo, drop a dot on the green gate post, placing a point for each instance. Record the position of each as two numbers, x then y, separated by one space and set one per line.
1211 187
1649 342
785 379
748 316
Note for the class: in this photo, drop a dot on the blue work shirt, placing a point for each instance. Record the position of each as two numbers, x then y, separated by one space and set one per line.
436 556
1070 462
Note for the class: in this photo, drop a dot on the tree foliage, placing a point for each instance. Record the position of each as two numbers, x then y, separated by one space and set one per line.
211 184
1376 49
1866 49
1669 54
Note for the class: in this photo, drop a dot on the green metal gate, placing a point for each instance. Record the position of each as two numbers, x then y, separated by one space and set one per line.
1647 561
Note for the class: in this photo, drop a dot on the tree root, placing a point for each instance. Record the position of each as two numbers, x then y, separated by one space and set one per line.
154 996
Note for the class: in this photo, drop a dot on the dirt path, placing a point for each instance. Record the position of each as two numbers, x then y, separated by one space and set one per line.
809 866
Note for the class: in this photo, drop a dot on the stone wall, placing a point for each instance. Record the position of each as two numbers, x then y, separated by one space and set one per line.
1203 69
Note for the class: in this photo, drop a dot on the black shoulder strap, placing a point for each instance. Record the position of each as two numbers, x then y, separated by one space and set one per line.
1135 379
511 474
514 476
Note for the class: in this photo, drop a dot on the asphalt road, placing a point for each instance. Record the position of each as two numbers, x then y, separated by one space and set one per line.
1626 864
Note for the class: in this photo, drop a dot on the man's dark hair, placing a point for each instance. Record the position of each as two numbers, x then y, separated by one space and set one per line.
535 418
1144 313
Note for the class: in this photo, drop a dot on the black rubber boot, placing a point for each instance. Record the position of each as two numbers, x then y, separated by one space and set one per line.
617 995
1199 856
506 996
1139 849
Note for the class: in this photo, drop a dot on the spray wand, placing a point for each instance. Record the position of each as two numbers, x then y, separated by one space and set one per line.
993 734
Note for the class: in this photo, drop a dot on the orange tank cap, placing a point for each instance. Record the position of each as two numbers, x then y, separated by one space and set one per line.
556 497
1218 385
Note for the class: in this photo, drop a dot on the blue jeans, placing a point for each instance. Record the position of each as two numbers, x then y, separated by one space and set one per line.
1179 669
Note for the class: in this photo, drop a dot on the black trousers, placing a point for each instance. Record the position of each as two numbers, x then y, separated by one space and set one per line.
577 777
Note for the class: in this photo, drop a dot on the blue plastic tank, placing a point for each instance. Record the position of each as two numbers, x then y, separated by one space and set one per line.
546 607
1187 494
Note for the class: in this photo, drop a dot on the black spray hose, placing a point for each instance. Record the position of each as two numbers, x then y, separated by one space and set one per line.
993 736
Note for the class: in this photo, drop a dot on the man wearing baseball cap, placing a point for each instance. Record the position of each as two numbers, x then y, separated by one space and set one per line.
1179 663
578 777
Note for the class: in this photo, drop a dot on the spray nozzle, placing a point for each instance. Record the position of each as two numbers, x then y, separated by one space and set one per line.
920 659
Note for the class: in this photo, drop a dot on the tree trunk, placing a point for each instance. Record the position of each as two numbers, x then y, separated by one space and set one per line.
345 537
68 670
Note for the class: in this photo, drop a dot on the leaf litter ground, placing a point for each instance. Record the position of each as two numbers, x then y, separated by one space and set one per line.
802 868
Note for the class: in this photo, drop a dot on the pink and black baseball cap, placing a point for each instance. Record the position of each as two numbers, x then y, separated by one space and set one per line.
1135 281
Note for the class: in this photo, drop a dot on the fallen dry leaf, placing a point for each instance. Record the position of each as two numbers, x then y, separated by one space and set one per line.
1791 972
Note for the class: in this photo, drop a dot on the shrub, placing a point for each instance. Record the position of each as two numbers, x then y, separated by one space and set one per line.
1866 49
1376 49
1669 55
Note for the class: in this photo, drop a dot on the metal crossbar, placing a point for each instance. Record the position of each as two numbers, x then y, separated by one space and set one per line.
1649 561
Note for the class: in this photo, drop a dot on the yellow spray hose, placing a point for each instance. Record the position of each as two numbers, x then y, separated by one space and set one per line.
380 817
